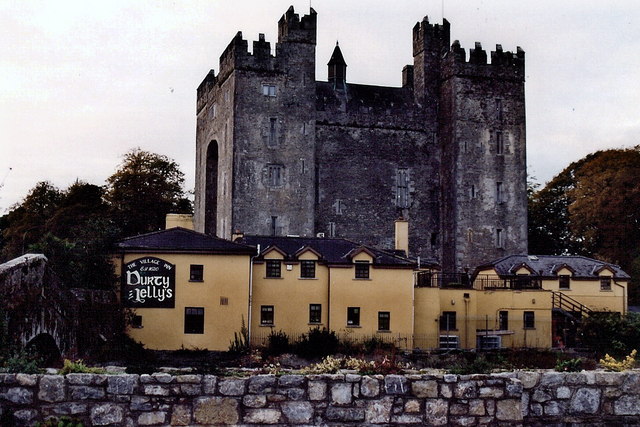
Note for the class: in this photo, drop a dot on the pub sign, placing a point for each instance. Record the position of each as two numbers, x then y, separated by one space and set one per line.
149 282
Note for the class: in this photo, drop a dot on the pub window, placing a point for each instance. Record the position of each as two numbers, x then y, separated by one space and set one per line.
273 268
448 321
384 321
564 282
529 320
362 270
353 316
194 320
499 192
269 90
503 320
499 143
273 140
402 188
605 283
196 273
136 321
315 313
266 315
275 176
308 269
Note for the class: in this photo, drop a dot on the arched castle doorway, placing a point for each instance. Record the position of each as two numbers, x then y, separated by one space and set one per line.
211 193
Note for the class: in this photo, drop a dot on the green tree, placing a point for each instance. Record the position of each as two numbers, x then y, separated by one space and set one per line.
143 190
26 221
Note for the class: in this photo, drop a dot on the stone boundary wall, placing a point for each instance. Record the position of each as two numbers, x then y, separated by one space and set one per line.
520 398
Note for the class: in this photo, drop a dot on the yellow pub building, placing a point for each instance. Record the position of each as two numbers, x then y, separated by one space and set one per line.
191 290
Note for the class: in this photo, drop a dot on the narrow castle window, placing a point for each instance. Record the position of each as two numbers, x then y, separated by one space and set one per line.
472 192
499 238
338 206
499 143
303 167
402 188
269 90
499 109
499 192
332 229
434 240
273 138
274 225
276 175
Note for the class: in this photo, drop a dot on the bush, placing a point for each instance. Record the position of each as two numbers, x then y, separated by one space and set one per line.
240 343
569 365
21 362
317 343
476 364
62 422
78 367
611 364
278 344
376 344
610 333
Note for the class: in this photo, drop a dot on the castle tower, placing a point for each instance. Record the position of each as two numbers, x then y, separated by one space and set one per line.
255 139
483 173
281 153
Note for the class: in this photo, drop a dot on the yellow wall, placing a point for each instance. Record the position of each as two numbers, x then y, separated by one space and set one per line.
490 303
427 313
386 290
335 288
224 276
290 295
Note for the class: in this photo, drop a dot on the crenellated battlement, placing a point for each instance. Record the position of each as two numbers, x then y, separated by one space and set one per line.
478 56
237 56
293 29
428 36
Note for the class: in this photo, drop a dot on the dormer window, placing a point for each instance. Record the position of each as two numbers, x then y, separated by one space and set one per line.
605 283
362 270
564 282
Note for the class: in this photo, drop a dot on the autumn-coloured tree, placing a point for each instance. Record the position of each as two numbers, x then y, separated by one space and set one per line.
591 208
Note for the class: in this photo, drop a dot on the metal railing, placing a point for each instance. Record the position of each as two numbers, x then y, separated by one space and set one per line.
428 279
561 301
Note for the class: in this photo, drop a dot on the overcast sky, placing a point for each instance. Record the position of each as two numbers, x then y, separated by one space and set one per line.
82 82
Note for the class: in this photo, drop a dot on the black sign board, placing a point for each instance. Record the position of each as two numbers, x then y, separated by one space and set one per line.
149 283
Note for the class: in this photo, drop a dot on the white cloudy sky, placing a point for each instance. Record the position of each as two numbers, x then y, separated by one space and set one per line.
82 82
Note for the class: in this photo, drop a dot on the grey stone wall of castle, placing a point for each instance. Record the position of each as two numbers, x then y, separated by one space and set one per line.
281 153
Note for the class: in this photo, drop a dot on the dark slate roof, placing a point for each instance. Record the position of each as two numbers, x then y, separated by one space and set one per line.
548 265
332 250
182 240
377 98
336 56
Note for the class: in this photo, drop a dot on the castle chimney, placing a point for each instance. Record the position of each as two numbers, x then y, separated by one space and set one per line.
402 235
337 69
179 220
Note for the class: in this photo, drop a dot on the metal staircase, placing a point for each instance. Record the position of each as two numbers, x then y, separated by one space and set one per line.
568 306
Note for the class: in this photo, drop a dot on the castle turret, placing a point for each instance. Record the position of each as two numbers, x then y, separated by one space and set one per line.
293 29
337 69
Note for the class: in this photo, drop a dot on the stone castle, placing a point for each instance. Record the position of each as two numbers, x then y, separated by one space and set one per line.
280 153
